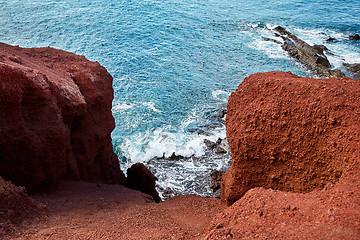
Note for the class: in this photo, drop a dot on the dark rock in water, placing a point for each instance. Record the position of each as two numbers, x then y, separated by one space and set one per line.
320 49
214 120
215 185
221 146
355 37
209 144
354 68
336 73
271 40
312 57
141 179
331 40
220 150
175 157
166 193
219 114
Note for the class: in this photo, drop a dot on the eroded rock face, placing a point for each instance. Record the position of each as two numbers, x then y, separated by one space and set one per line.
290 133
55 118
295 144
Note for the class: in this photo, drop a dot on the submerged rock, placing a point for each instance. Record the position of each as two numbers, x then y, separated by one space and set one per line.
55 118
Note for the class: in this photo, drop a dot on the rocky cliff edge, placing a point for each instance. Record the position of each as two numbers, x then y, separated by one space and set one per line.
55 118
295 169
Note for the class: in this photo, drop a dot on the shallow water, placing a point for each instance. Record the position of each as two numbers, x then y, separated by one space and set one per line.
175 63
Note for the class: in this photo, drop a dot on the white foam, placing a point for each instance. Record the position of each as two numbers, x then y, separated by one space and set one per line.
151 106
161 142
220 95
270 27
271 49
153 82
343 51
121 107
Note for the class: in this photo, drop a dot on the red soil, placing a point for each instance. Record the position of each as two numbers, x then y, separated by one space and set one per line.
79 210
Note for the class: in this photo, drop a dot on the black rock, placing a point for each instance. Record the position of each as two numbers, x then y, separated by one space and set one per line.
271 40
331 40
175 157
355 37
209 144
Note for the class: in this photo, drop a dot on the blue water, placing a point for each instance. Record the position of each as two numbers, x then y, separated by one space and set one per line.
175 63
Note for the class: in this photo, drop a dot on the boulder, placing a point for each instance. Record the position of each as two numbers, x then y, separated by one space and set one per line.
140 178
55 118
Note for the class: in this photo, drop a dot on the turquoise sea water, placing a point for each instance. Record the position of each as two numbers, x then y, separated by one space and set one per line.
175 63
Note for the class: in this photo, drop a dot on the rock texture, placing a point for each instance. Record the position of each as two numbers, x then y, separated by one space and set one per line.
312 57
354 68
215 184
15 206
298 140
140 178
55 118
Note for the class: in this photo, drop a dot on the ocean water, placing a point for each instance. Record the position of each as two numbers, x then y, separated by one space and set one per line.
175 63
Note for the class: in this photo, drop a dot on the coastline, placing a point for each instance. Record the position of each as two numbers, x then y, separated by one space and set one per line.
98 210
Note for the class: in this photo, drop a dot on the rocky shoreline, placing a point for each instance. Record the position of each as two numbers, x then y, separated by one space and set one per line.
312 57
293 141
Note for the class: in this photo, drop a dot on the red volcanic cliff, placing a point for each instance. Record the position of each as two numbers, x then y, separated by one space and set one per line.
55 118
295 143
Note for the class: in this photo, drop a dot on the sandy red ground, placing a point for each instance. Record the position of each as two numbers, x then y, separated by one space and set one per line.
79 210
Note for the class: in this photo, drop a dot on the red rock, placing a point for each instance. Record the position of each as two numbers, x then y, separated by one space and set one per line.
298 140
140 178
55 118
